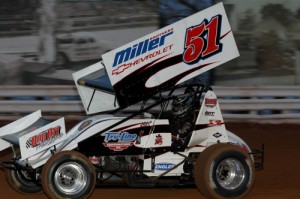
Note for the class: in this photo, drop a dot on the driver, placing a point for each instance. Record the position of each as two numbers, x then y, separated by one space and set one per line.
183 118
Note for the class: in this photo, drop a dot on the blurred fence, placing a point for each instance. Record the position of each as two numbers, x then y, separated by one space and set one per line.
269 104
29 27
83 16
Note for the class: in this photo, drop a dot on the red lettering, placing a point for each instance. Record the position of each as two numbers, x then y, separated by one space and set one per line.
210 102
44 136
50 133
56 131
213 44
33 141
202 41
215 122
38 139
194 43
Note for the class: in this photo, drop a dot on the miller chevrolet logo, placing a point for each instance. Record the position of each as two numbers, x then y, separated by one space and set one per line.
141 48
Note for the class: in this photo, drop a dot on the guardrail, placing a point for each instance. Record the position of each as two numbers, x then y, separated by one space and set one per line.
271 104
257 104
88 23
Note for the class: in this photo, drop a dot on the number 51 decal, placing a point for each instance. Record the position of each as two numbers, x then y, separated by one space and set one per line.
203 41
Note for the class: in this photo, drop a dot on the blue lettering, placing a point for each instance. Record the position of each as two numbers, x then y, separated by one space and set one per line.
139 49
122 56
162 40
117 136
164 166
126 137
145 46
153 44
110 136
133 50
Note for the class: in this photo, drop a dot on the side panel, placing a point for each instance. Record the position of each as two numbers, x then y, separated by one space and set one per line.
210 126
42 138
131 137
170 55
154 140
164 163
159 138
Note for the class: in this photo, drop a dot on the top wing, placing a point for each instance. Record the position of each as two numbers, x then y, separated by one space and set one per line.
171 55
167 57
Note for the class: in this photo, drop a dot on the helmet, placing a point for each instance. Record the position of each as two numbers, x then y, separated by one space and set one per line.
182 105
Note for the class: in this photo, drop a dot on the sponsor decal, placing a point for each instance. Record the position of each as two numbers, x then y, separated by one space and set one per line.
118 141
217 135
203 41
44 138
158 140
210 102
84 124
244 148
141 48
117 146
143 124
215 122
164 166
209 113
94 160
122 57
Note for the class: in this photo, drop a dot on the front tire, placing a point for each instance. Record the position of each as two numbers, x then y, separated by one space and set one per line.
21 181
68 174
224 171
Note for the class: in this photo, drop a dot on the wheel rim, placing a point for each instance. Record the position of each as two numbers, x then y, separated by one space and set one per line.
230 173
23 175
24 178
70 178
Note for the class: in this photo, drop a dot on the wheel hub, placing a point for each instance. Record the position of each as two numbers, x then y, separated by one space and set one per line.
230 173
70 178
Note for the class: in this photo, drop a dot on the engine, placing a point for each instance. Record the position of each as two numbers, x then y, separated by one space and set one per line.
123 167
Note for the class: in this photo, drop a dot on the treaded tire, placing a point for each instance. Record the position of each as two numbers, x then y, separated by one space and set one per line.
68 174
213 168
20 183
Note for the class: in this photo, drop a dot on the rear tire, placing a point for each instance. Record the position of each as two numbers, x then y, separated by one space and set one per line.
68 174
224 171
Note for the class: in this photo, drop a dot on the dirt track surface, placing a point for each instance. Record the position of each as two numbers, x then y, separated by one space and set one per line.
280 178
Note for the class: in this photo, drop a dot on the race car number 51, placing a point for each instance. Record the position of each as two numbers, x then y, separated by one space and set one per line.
203 40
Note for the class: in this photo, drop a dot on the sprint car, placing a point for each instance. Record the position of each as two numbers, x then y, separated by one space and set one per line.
153 122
